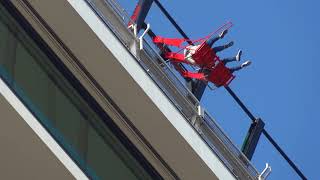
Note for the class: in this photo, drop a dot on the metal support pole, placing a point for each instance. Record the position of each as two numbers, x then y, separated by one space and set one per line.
197 87
252 138
266 134
140 13
243 107
283 154
173 22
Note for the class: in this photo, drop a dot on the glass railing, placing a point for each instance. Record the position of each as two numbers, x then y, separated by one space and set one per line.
175 89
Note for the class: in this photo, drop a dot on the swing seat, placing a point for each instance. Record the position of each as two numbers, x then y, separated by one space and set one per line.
205 56
220 75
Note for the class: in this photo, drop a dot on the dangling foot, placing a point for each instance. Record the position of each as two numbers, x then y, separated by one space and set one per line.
223 33
238 56
245 64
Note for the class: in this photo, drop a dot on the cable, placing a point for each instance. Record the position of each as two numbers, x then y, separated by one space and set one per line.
271 140
283 154
244 108
165 12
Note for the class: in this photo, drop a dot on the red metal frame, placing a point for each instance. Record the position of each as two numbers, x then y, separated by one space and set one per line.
204 57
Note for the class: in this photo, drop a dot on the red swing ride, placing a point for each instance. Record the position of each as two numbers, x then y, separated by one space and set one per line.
212 68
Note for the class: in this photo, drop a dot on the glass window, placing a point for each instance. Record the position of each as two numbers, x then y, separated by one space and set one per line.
60 108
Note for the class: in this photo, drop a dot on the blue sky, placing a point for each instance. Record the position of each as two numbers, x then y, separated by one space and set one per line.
282 39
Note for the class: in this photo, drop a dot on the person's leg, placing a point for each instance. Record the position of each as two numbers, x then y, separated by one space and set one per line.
223 47
231 59
213 39
233 69
237 68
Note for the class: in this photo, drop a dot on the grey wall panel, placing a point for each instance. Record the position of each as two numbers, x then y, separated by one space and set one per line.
23 155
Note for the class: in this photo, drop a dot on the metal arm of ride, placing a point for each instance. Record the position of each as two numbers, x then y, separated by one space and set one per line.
252 138
271 140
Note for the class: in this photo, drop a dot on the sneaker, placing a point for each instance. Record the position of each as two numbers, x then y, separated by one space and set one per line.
223 33
245 64
238 56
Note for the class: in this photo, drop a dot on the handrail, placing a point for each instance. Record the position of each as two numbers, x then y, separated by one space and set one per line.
179 94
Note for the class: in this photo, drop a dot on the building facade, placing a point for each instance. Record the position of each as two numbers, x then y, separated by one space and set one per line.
81 100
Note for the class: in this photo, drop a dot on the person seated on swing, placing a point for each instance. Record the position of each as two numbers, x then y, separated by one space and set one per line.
190 50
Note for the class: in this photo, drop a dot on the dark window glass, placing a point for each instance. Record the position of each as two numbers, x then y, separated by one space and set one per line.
58 106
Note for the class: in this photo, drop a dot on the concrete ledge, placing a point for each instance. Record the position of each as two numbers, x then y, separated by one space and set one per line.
134 92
